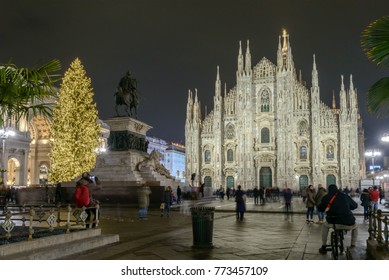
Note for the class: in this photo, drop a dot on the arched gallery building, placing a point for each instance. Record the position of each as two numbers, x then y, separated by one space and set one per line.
26 153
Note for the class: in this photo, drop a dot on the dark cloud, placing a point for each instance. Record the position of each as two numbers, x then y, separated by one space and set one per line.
173 46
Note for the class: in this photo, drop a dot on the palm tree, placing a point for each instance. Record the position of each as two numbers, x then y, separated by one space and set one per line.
25 92
375 43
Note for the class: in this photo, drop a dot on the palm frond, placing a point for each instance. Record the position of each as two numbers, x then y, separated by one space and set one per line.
378 98
25 91
375 41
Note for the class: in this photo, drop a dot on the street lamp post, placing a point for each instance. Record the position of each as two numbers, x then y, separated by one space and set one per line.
4 134
372 153
385 137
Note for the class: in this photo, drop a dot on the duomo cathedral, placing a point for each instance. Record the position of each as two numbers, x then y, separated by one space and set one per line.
272 130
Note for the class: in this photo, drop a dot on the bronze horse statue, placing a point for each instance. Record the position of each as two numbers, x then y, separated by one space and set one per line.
126 95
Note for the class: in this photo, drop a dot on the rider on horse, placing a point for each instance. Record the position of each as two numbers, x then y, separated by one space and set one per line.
126 94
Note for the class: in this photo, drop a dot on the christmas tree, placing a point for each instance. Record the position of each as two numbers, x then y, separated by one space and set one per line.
75 129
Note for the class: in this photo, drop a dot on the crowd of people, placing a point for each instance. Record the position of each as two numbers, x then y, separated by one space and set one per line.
7 194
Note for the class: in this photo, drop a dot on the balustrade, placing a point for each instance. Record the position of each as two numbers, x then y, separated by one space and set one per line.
25 221
378 228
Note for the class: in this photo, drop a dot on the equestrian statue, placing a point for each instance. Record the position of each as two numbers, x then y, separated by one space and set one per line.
127 95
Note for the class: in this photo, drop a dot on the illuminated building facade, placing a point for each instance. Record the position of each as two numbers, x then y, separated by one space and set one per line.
270 129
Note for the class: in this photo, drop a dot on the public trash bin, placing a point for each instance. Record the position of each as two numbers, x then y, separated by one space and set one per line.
202 225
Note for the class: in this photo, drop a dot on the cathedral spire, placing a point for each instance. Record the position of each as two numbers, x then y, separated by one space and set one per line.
189 107
279 54
343 97
240 59
315 76
196 107
352 94
217 83
284 45
333 101
248 59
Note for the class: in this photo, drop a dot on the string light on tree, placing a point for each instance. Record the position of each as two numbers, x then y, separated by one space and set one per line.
75 128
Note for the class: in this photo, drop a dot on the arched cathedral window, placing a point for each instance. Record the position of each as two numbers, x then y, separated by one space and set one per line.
207 156
303 128
230 132
230 155
303 153
265 101
265 135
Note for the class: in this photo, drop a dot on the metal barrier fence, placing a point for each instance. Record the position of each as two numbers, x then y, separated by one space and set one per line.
378 228
26 220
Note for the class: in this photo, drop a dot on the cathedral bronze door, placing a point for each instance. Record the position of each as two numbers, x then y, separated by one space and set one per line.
331 179
265 177
303 182
230 182
208 181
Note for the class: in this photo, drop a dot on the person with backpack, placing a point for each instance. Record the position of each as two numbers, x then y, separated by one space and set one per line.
338 207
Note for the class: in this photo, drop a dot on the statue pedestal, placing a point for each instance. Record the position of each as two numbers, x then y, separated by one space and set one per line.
127 146
128 124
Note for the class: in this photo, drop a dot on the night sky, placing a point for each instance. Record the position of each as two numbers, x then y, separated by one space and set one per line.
173 46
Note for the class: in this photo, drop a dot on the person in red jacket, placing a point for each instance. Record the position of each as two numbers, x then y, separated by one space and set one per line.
374 196
81 195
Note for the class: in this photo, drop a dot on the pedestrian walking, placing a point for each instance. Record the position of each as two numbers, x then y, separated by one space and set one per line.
179 195
321 192
382 194
143 202
228 193
365 202
261 195
240 199
256 195
166 201
287 193
374 196
310 204
304 194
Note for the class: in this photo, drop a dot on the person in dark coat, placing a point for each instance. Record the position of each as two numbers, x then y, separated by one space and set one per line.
256 195
240 199
261 195
179 192
166 201
310 204
365 202
288 198
338 207
321 192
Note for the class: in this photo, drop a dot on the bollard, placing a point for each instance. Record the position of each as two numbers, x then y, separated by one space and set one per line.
202 225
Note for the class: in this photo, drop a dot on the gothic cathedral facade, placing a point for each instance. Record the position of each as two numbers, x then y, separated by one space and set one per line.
271 130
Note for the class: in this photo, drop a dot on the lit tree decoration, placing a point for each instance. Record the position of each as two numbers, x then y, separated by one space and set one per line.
75 130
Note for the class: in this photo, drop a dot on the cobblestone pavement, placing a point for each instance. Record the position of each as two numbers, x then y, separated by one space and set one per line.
266 233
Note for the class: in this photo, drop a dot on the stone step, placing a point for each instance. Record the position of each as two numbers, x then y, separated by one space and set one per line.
60 246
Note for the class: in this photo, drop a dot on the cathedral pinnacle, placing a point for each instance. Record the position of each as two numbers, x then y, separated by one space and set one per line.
217 83
248 58
315 78
284 44
240 59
